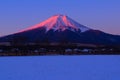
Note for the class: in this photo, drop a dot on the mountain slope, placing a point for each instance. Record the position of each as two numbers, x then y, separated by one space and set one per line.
59 22
62 29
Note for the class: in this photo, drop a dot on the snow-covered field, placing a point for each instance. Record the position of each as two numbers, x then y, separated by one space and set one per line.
60 68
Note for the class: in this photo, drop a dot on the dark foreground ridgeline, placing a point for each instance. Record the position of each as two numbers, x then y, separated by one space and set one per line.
34 50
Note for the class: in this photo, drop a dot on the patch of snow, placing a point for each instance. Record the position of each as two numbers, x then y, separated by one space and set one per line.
60 22
68 50
85 50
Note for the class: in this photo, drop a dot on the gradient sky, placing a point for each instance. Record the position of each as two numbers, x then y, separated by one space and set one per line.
16 15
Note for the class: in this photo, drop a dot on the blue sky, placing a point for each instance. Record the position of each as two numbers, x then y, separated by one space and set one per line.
97 14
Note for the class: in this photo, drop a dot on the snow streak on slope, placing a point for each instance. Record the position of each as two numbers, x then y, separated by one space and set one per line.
60 22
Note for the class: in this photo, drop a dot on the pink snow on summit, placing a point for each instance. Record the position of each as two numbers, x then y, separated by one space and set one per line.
59 22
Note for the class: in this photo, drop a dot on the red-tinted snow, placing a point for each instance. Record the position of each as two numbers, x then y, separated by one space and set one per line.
61 22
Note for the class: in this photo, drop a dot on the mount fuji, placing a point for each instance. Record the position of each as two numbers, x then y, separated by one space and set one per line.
61 28
60 23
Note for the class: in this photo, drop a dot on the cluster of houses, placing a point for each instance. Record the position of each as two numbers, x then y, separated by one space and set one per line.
6 48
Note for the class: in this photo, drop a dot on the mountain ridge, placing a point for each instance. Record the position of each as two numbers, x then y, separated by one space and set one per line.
62 29
59 22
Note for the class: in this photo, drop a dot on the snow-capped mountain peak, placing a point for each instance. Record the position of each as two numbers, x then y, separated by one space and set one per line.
62 29
60 22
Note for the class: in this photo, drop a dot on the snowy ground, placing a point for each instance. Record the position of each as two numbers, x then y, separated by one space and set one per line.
60 68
